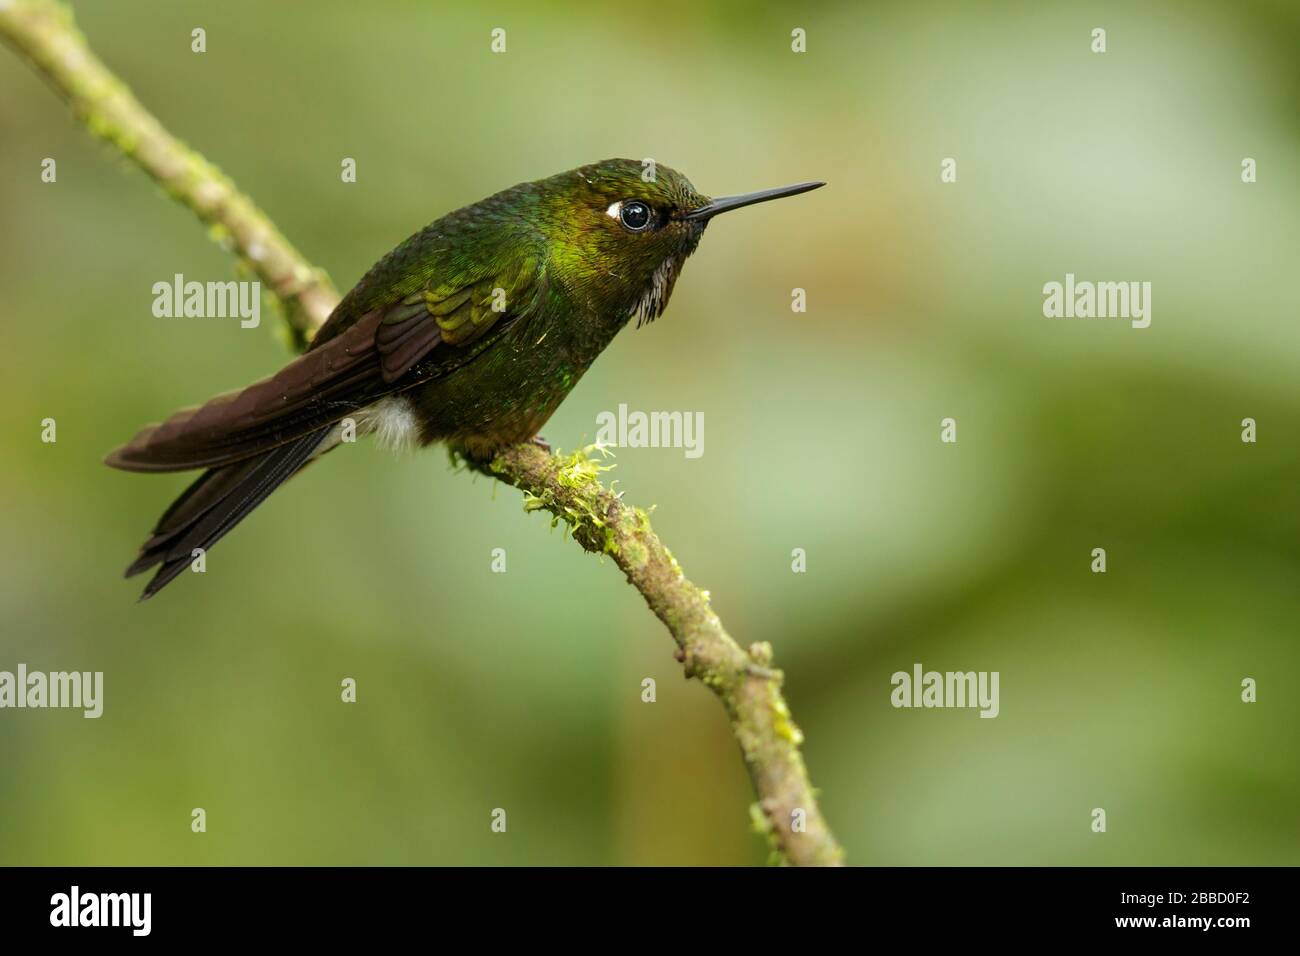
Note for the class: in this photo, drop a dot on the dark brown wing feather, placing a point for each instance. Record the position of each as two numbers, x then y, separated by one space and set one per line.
444 286
421 312
374 356
318 388
217 501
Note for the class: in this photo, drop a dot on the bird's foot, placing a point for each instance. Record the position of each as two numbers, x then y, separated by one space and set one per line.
541 443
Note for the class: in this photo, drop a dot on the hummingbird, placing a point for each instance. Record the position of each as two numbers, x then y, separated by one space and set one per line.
470 333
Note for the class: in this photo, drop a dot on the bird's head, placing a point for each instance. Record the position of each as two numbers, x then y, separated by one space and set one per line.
618 232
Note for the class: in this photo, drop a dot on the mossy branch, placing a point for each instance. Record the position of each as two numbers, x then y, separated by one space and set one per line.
749 688
44 33
567 486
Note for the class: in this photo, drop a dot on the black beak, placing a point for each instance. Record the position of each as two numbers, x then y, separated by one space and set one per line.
727 203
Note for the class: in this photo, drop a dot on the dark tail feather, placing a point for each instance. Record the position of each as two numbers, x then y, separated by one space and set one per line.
217 501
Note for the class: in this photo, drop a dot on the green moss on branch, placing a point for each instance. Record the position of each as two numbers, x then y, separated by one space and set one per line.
569 488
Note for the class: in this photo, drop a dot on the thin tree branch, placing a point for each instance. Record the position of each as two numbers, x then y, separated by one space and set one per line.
567 486
44 33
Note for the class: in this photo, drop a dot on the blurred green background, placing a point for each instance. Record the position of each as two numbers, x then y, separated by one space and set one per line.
522 690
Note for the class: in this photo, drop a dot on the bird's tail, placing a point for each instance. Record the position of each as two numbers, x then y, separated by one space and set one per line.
217 501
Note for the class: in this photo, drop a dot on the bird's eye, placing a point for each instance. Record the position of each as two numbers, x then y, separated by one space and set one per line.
634 215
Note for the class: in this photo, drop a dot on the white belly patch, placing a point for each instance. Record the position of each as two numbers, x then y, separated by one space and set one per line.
391 420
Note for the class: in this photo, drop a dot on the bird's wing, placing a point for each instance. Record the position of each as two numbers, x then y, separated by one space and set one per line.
391 347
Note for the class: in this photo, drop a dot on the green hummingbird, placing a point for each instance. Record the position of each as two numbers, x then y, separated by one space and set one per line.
471 332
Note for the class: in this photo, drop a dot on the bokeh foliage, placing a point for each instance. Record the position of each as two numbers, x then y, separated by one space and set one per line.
522 690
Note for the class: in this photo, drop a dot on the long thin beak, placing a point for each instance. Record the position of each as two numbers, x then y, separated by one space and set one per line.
728 203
